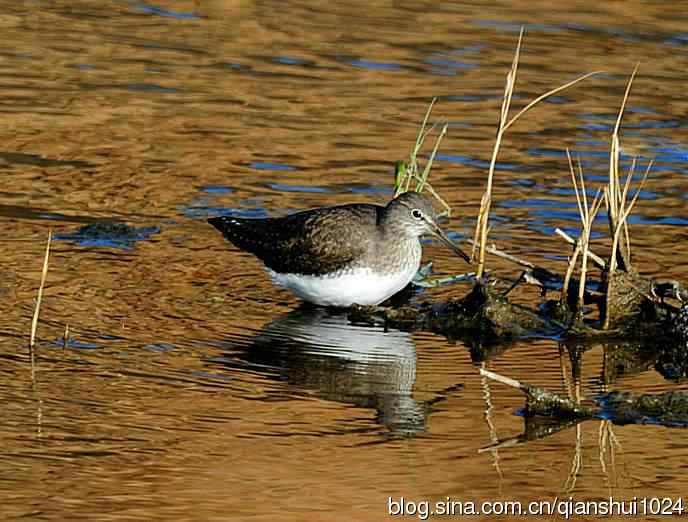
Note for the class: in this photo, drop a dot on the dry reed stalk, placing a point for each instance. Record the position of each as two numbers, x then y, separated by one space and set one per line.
627 237
480 236
613 188
481 232
44 275
617 210
587 217
569 273
590 215
620 203
624 211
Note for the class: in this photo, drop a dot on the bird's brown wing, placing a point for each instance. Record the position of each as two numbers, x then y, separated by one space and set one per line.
310 242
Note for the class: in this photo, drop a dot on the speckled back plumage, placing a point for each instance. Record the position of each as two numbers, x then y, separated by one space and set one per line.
312 242
327 240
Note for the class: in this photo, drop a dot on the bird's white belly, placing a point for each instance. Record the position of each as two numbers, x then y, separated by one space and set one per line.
359 285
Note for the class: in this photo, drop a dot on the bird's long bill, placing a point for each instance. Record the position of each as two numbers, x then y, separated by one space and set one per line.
437 232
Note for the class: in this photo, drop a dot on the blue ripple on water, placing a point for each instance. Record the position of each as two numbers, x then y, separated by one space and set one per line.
535 203
469 97
150 87
289 60
453 64
670 153
571 231
74 343
561 153
678 39
371 190
217 189
473 162
204 212
376 66
296 188
160 347
159 11
562 215
637 219
501 25
266 165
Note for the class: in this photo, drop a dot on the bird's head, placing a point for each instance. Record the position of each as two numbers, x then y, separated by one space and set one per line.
413 215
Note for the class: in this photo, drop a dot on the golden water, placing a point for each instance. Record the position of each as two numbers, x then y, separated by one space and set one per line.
190 388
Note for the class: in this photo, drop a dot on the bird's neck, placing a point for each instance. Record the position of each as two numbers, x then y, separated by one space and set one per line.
395 251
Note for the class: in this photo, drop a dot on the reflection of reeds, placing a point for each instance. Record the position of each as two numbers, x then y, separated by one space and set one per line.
44 275
481 228
494 439
608 445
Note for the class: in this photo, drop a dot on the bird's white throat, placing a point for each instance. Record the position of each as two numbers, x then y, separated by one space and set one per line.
356 285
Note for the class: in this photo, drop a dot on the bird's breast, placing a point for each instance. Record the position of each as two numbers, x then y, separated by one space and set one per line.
360 285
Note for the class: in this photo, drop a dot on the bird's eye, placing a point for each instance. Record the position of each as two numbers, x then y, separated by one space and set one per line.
417 214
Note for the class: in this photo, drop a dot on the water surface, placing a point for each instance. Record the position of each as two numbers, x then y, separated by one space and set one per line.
189 387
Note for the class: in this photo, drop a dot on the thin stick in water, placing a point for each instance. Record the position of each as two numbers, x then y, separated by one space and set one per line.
44 275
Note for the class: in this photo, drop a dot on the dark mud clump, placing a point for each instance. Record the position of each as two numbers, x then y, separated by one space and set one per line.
668 408
483 314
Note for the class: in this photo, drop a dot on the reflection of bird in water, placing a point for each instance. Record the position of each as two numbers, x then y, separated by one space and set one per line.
319 350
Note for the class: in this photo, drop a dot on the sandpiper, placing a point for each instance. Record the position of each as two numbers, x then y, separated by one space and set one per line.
337 256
